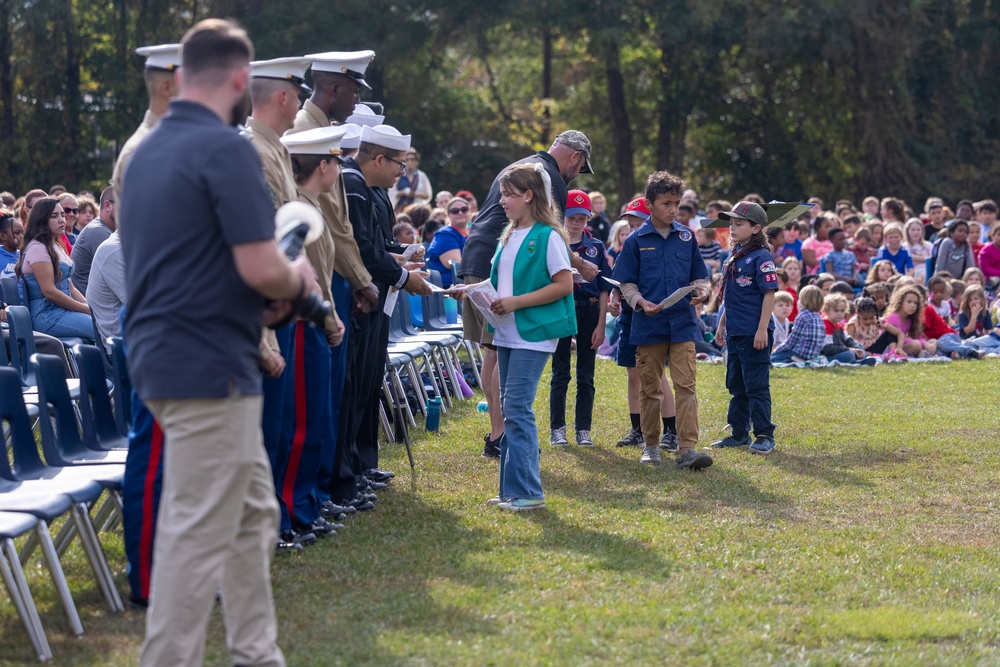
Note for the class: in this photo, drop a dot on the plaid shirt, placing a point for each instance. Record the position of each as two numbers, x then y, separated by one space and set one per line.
806 338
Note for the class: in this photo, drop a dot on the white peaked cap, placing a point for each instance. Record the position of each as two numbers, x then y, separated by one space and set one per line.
292 70
324 141
363 115
351 63
166 57
352 137
385 136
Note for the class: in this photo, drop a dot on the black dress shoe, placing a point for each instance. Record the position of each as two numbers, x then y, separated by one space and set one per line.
320 528
363 505
346 506
329 510
377 485
305 539
379 475
138 603
283 547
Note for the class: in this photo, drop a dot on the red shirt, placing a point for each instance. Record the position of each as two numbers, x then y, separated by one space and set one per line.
795 303
934 324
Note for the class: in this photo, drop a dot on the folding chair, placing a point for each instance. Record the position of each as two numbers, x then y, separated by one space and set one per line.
100 432
10 294
22 346
123 386
13 525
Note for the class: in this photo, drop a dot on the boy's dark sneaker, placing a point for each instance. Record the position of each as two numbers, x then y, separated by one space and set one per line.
730 441
668 442
692 459
491 448
632 438
762 445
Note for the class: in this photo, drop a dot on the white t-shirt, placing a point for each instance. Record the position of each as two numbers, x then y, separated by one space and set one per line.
557 259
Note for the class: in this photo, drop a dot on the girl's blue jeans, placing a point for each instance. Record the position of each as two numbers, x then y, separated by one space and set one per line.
520 371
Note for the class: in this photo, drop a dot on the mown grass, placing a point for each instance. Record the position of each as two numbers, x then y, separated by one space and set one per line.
869 538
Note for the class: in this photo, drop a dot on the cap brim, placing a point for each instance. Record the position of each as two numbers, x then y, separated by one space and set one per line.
577 211
587 169
363 83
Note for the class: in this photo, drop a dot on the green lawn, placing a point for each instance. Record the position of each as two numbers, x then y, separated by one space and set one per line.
870 537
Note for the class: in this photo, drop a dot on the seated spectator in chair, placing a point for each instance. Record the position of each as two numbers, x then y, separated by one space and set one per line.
11 233
449 241
57 308
92 236
806 339
106 287
404 233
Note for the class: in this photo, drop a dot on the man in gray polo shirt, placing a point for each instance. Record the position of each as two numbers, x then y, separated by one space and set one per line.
106 287
92 236
196 296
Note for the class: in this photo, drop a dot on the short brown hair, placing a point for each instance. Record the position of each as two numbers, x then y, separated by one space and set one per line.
810 298
663 183
214 46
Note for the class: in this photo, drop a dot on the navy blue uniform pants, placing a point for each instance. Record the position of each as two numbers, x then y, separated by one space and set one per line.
338 370
141 496
748 378
586 322
274 422
307 405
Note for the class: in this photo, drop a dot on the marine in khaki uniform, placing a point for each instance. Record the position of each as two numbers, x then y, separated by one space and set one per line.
161 86
337 79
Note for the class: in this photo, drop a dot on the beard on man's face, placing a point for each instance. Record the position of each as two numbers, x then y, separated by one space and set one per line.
240 110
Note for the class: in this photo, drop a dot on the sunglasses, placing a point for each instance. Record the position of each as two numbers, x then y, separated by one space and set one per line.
463 209
74 211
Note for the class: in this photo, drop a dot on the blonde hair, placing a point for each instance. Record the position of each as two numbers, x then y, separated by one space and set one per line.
522 178
832 300
893 228
882 262
973 271
810 298
781 296
896 306
613 235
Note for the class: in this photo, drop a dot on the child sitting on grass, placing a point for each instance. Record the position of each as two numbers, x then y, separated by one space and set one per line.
783 303
837 345
879 292
940 288
905 320
864 326
806 338
974 319
882 271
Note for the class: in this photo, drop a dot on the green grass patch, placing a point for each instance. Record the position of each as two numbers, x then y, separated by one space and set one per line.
868 538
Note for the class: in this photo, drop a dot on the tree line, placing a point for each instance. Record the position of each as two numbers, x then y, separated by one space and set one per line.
787 98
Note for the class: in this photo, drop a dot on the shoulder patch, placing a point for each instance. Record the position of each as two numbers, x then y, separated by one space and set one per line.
685 235
591 251
768 267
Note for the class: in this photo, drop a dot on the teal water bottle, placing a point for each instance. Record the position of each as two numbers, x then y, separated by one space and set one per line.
433 419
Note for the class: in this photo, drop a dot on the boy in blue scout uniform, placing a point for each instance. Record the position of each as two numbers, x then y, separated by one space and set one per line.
749 281
591 306
656 260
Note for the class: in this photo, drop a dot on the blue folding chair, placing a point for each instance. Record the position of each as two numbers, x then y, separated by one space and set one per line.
123 385
14 525
100 431
8 287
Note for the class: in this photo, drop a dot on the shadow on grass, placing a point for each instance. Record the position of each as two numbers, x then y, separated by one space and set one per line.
840 469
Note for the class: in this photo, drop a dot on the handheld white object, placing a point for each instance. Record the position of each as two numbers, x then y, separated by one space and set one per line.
295 213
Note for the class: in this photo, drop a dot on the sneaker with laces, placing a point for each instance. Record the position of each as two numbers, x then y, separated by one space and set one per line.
632 438
651 456
522 504
730 441
692 459
668 442
491 448
583 439
496 500
558 437
762 445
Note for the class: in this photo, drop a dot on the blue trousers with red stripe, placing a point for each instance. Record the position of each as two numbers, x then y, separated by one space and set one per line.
308 412
338 369
141 496
274 422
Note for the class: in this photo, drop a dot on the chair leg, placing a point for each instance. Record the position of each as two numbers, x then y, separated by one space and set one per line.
473 361
384 420
20 594
439 371
58 578
92 544
402 394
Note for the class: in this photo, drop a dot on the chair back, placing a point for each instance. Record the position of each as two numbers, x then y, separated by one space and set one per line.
100 432
22 438
22 342
63 445
406 316
11 296
123 385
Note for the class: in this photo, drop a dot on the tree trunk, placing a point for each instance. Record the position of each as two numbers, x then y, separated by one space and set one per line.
671 113
7 95
546 85
73 98
621 130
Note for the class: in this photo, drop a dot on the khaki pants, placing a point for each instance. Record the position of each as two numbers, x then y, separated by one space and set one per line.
216 529
474 326
649 364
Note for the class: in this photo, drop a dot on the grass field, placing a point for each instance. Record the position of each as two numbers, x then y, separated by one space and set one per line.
868 538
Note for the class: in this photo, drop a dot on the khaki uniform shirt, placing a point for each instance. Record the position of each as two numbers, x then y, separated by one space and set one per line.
333 205
321 254
149 121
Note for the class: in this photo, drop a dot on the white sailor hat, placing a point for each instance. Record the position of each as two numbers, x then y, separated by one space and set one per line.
166 57
385 136
322 141
352 137
292 70
363 115
350 63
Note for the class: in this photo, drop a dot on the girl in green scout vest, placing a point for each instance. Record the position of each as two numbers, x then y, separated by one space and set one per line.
531 274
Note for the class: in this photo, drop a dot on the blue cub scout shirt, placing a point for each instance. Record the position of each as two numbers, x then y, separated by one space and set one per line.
659 266
752 276
591 250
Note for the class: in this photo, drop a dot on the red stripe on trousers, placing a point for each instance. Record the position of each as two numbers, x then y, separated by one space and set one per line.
148 515
298 442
